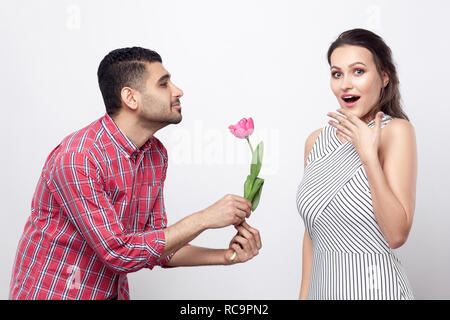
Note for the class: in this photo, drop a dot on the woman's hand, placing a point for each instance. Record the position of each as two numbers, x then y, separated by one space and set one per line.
366 140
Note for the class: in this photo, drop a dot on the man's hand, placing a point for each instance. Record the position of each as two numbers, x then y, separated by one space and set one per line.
244 246
230 210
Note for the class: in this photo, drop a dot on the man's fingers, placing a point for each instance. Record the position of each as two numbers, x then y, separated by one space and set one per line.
245 244
238 250
253 246
242 211
255 234
231 256
240 214
243 201
245 233
245 237
244 207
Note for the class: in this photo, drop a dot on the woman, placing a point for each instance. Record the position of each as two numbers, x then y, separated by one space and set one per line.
357 195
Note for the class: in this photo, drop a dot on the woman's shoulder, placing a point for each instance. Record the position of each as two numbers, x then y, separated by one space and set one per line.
397 135
398 127
313 136
310 142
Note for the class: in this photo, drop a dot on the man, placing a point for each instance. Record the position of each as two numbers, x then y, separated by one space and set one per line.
98 209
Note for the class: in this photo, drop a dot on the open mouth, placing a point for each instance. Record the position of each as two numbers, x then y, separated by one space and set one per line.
350 99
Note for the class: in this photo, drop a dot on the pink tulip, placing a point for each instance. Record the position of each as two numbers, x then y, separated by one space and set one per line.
253 185
243 129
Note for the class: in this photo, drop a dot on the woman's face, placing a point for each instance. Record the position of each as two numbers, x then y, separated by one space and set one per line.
355 80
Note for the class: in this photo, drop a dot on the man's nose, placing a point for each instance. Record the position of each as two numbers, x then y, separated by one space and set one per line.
177 92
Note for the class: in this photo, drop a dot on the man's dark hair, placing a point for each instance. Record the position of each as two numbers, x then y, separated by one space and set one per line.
120 68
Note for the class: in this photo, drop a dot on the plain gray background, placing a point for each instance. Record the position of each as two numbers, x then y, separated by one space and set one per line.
233 59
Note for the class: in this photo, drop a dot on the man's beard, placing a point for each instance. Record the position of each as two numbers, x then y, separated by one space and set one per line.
154 111
178 112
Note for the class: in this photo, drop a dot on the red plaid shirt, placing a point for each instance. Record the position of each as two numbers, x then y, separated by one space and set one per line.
96 215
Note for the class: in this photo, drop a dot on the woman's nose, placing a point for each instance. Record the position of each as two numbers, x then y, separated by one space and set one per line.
346 83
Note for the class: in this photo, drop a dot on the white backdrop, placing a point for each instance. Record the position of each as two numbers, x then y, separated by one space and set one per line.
233 59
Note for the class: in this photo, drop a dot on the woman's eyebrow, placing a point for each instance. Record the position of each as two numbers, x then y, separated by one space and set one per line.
351 65
354 63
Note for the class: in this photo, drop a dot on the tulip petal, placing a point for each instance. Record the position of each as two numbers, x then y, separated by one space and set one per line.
240 133
242 123
250 124
243 128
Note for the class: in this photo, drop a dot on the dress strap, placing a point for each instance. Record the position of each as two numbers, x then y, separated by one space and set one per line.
384 121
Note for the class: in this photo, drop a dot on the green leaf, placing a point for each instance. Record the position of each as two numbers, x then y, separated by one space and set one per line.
257 157
248 186
256 186
255 201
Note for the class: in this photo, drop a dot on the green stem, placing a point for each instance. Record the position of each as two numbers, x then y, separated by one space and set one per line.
251 148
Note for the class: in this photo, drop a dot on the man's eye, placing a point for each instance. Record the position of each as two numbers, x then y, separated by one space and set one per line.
164 84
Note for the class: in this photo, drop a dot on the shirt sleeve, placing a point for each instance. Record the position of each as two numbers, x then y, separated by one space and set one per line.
162 211
77 185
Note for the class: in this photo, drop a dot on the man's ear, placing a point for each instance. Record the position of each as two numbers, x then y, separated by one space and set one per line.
129 98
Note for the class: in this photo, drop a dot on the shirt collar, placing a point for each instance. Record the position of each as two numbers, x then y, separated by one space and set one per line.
122 141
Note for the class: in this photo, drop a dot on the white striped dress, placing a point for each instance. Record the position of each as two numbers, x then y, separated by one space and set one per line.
351 257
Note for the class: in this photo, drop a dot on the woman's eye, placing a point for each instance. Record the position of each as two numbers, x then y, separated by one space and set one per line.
359 71
336 74
164 84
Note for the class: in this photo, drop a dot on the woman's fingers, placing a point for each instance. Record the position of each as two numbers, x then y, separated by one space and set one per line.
343 120
344 136
341 128
351 117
